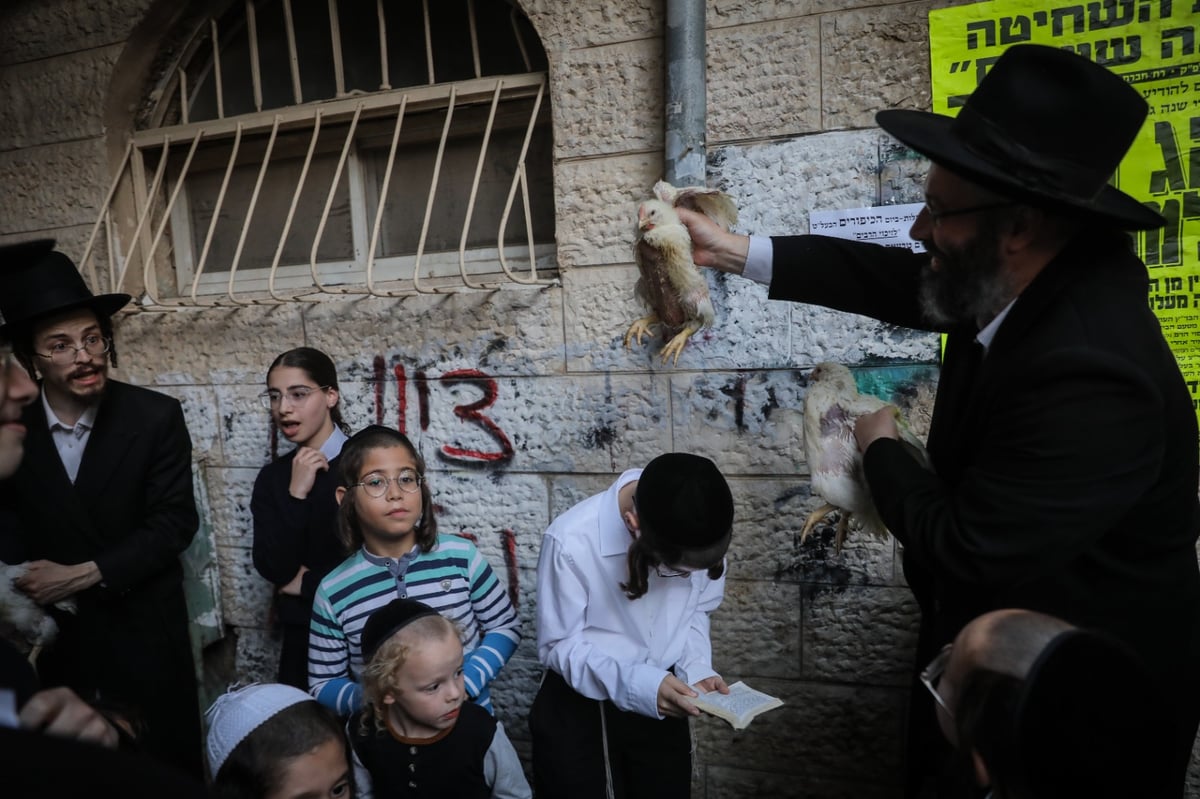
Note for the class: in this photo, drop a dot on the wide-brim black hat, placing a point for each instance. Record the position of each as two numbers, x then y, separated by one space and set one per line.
1044 126
1092 721
684 502
37 281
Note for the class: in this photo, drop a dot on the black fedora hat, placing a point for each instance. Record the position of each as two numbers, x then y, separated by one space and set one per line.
36 281
1044 126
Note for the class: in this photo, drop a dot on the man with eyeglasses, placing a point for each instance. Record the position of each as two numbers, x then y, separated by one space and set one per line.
102 506
1037 708
1063 436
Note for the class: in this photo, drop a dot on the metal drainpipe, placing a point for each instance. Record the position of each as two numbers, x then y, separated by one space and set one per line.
683 155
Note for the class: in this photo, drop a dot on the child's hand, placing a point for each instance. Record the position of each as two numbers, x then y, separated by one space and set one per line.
305 465
713 683
673 696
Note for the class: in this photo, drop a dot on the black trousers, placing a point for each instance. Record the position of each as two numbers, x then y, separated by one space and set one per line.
648 758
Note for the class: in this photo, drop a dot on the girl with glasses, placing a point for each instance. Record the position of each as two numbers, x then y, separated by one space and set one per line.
386 519
293 504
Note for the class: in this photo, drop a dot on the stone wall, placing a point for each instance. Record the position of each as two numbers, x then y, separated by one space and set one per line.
792 88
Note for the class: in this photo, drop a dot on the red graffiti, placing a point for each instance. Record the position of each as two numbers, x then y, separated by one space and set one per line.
509 539
470 413
401 399
379 367
423 400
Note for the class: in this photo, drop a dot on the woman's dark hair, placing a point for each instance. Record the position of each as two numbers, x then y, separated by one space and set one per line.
354 452
319 368
256 765
21 338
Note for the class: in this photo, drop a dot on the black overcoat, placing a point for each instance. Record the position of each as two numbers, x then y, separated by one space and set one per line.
132 511
1066 470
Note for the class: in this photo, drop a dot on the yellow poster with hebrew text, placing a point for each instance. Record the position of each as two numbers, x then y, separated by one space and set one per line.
1155 46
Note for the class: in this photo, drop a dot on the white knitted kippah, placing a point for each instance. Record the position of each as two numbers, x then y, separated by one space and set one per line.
239 712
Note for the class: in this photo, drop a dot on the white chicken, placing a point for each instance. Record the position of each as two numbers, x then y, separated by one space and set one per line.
831 406
23 622
669 282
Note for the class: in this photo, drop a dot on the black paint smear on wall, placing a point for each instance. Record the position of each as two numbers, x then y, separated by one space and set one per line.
599 437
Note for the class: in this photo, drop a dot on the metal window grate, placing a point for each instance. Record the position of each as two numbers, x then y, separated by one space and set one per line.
187 190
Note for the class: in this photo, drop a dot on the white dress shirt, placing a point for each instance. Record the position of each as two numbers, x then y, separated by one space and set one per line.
70 441
333 445
605 645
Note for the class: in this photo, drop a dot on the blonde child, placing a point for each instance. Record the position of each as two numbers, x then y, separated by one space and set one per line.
272 741
416 735
295 513
385 516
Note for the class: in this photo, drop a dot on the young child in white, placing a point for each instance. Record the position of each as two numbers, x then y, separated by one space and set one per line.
385 516
416 735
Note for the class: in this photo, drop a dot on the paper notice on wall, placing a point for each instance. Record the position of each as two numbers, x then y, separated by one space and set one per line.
1155 46
884 224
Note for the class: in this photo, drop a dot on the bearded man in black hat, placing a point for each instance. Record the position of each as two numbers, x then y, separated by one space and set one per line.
1063 437
103 506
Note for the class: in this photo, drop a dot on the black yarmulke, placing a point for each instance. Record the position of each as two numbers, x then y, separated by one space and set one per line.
385 622
684 501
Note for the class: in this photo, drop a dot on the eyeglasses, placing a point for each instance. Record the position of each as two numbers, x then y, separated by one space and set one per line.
932 675
376 483
63 353
296 396
937 216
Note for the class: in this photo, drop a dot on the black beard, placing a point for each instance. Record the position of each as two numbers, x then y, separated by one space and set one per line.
970 286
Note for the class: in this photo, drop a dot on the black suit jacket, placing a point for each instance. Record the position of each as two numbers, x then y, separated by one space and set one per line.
1066 472
132 511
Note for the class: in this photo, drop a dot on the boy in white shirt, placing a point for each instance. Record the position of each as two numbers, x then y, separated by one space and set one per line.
626 582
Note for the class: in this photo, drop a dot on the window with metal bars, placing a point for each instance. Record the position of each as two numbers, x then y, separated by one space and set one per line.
339 147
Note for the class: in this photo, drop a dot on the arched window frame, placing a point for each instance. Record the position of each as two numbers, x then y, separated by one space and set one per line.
150 233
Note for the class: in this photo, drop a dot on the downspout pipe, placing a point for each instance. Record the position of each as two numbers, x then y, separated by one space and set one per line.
685 94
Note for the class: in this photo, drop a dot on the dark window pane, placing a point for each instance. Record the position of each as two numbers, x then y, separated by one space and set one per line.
270 213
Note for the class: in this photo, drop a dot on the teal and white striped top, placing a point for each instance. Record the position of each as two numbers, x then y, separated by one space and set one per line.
453 578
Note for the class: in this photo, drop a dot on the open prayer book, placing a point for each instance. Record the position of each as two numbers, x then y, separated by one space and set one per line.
739 706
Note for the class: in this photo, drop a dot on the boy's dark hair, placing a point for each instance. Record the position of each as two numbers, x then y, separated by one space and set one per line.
320 369
685 518
354 452
255 766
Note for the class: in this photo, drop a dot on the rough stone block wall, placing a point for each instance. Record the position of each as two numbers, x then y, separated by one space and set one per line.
792 89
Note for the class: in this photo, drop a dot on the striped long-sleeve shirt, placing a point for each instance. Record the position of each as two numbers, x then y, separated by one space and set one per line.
453 578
